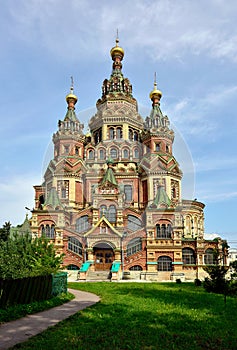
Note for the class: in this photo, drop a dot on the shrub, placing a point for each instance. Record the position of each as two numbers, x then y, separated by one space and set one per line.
197 282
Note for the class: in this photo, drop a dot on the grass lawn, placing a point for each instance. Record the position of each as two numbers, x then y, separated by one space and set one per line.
145 316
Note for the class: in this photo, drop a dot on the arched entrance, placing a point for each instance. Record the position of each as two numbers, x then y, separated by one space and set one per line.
103 256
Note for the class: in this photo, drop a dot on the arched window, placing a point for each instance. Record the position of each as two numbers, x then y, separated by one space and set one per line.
209 257
163 231
91 154
119 133
113 153
135 136
101 154
125 153
134 246
47 230
167 148
128 193
112 213
157 147
135 268
111 133
130 134
82 224
42 229
52 232
164 263
74 245
188 256
103 210
136 153
134 223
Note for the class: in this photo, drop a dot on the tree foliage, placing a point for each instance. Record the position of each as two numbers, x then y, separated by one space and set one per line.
5 231
23 256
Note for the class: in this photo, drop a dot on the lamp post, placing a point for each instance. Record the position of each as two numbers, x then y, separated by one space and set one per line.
122 251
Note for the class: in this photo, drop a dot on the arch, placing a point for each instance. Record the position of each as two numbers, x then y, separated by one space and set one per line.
188 256
134 246
164 263
103 245
136 153
135 268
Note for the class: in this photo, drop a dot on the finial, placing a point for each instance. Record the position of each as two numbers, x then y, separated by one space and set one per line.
155 93
72 85
155 83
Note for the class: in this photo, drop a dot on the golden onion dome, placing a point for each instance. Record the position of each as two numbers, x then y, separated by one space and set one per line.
117 50
71 95
155 92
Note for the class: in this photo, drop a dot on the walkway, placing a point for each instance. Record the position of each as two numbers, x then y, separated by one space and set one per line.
14 332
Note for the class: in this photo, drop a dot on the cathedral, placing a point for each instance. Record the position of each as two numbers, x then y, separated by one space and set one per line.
111 199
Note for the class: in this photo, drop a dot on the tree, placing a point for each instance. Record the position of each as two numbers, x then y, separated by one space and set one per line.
217 282
5 231
24 256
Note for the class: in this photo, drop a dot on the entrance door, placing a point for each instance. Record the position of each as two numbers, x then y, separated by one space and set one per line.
103 259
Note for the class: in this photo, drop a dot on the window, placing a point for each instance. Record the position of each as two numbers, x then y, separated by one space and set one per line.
209 257
164 263
119 133
63 188
134 223
82 224
188 256
74 245
134 246
135 268
66 149
125 153
163 231
91 154
136 153
112 214
48 231
103 210
77 151
101 154
128 193
113 153
111 133
135 136
157 147
130 135
167 149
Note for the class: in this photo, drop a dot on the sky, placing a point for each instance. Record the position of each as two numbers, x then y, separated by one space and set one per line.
192 47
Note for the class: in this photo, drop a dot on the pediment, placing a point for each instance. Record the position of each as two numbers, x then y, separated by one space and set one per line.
104 228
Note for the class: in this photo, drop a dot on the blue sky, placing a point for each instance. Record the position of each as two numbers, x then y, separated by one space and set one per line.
191 45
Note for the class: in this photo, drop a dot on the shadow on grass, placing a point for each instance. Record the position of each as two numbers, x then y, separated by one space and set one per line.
141 317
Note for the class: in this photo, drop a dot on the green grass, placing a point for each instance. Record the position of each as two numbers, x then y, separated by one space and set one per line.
18 311
145 316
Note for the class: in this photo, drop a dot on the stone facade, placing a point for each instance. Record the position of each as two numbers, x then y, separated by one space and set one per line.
114 193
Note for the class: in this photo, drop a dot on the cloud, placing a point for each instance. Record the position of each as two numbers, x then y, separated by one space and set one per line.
163 29
16 193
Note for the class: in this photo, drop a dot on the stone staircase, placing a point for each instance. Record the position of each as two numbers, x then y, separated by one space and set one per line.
98 276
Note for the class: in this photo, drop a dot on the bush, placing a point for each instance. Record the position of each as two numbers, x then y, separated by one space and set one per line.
197 282
178 281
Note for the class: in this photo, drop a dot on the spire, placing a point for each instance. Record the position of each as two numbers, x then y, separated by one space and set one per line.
71 99
155 94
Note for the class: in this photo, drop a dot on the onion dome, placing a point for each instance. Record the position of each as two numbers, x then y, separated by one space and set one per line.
155 93
117 50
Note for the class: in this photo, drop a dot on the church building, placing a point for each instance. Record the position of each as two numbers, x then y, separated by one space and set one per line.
111 199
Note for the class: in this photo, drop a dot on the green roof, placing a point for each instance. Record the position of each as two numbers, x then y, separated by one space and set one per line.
52 199
161 198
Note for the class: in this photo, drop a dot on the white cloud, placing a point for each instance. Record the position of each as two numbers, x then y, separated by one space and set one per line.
16 193
163 29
